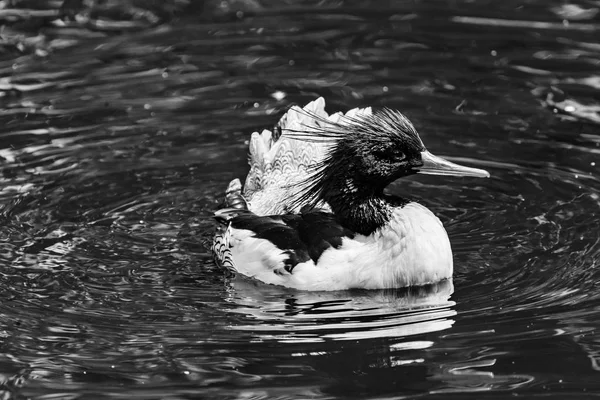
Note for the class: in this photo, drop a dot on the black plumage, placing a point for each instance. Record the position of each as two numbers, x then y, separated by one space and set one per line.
303 236
318 231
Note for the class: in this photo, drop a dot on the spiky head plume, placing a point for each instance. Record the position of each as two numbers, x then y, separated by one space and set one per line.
365 154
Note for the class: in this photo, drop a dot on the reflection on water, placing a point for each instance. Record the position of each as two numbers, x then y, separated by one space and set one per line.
294 316
123 122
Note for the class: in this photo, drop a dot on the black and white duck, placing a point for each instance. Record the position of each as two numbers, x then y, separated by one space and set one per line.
313 214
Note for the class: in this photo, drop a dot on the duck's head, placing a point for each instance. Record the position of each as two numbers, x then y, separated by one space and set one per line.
384 146
368 152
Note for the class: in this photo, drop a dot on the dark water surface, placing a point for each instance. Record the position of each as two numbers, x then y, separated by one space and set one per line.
122 122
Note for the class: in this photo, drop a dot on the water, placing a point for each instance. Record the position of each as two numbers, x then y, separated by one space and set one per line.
121 124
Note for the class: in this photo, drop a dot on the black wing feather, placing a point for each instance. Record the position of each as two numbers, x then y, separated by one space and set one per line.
302 236
318 231
278 233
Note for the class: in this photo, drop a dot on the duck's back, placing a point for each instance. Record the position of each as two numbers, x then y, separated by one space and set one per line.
280 161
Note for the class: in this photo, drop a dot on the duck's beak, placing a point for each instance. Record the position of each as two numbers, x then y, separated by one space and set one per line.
434 165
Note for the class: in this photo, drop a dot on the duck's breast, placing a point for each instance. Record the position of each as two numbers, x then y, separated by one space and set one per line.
412 249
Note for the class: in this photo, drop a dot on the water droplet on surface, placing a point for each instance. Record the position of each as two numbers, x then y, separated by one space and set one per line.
279 95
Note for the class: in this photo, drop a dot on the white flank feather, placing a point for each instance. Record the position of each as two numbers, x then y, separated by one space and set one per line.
413 249
254 257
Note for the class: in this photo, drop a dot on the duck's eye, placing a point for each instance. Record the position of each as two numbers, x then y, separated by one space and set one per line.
399 156
391 155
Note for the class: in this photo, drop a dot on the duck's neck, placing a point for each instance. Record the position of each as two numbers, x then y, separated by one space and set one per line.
361 210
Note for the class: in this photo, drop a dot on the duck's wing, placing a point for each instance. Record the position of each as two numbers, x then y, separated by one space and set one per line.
278 162
281 160
234 197
271 248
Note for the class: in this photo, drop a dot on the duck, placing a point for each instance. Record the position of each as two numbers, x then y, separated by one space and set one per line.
313 215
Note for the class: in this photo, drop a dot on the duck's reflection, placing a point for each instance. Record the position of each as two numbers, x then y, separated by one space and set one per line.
345 341
289 315
351 343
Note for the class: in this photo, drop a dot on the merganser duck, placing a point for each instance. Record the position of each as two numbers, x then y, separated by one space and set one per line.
313 214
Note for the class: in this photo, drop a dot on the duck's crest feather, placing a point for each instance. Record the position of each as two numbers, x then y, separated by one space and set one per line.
281 160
